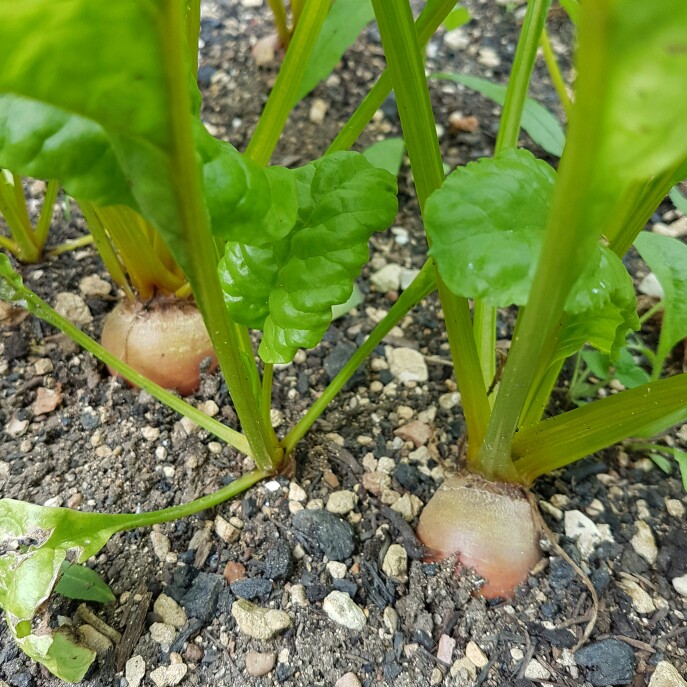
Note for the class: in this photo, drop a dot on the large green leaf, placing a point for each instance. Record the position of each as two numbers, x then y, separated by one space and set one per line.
288 288
486 225
345 21
541 125
667 258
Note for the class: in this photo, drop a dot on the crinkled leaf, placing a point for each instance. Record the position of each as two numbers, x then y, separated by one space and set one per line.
288 288
541 125
624 368
667 258
345 21
486 224
80 582
386 154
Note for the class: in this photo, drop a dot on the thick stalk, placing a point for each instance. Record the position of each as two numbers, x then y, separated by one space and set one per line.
423 284
569 238
279 13
406 66
285 92
13 207
72 244
434 12
45 218
201 249
561 440
555 72
193 33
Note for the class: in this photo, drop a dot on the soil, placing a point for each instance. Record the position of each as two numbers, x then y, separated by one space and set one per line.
106 447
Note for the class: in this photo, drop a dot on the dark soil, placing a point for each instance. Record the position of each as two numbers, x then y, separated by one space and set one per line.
111 448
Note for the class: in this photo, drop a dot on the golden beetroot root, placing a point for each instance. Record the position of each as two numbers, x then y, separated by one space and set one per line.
488 526
165 340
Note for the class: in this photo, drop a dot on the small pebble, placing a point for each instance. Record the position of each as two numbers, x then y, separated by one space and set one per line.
585 532
388 278
135 670
297 493
72 307
333 536
445 649
641 601
644 543
163 634
407 364
161 544
666 675
318 110
391 619
259 664
536 671
395 563
608 662
416 432
336 570
226 531
171 675
675 508
170 611
680 585
257 622
464 668
476 655
343 610
298 595
408 506
348 680
341 502
94 285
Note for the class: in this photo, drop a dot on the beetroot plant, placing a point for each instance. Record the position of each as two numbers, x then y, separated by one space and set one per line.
274 249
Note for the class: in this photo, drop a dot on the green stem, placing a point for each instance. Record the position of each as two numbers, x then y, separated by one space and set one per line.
558 441
279 12
406 66
651 312
266 398
200 247
521 73
35 305
555 72
569 239
45 218
128 521
72 244
423 284
193 33
296 11
285 92
434 12
484 329
13 207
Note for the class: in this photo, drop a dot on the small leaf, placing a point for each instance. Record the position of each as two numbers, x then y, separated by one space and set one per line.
572 8
541 125
386 154
667 258
662 462
681 458
679 201
80 582
345 21
288 288
457 18
11 284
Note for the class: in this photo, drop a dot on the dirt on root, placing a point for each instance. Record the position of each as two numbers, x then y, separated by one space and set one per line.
106 447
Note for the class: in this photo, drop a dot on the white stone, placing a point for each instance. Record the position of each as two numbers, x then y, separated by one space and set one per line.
170 611
476 655
675 508
408 506
135 670
391 619
225 530
488 57
407 276
297 493
644 543
348 680
257 622
94 285
163 634
641 601
336 570
341 502
169 676
450 400
650 286
386 465
150 433
585 532
457 39
464 666
536 671
388 278
395 563
16 427
407 364
73 308
318 111
666 675
680 585
298 595
161 544
343 610
43 366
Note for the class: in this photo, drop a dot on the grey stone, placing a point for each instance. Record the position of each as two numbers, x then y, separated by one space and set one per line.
609 662
251 588
332 536
259 664
200 601
257 622
343 610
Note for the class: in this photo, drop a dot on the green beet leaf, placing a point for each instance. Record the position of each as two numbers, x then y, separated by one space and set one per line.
667 258
288 288
386 154
80 582
486 223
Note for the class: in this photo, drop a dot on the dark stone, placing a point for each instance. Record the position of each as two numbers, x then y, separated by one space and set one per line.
632 562
385 376
20 680
248 507
337 358
201 600
392 671
389 107
205 74
315 592
609 662
561 638
424 639
600 579
226 599
303 383
89 420
16 346
344 585
548 610
560 574
190 629
284 672
326 533
251 588
278 562
409 477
